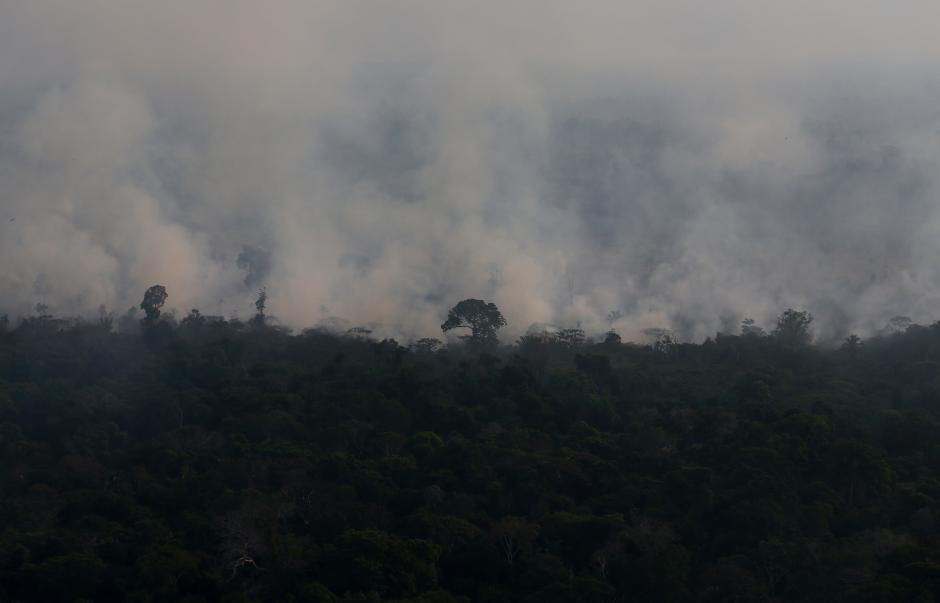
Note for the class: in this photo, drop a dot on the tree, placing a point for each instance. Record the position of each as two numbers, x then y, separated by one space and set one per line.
105 318
427 345
571 337
374 561
194 320
748 327
859 469
851 345
793 327
260 303
482 318
512 535
661 340
154 299
359 332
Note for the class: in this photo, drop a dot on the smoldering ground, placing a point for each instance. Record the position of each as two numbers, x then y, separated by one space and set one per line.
684 165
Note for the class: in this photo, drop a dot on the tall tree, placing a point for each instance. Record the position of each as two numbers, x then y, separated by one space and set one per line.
154 299
260 304
749 327
482 318
793 327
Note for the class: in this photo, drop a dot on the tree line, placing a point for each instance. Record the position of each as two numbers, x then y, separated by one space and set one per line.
482 320
215 461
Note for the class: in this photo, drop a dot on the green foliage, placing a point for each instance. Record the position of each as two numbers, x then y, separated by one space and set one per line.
482 318
214 461
154 298
372 561
793 328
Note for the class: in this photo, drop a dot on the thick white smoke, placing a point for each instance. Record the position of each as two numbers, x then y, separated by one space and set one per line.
685 165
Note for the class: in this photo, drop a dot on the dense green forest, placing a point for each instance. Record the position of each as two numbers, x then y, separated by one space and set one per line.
207 461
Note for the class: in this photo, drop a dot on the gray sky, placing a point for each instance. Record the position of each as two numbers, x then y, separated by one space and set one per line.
687 164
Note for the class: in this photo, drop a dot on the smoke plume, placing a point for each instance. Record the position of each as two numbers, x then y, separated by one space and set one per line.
681 166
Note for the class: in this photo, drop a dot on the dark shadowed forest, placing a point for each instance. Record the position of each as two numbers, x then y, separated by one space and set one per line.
208 460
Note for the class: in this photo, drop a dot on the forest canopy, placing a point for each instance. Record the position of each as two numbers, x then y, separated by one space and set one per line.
215 460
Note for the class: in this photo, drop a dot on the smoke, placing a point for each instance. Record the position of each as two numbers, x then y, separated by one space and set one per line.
256 262
684 166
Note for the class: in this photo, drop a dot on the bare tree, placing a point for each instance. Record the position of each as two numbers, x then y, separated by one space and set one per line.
512 534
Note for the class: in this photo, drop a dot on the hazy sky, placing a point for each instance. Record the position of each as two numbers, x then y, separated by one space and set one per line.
685 163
